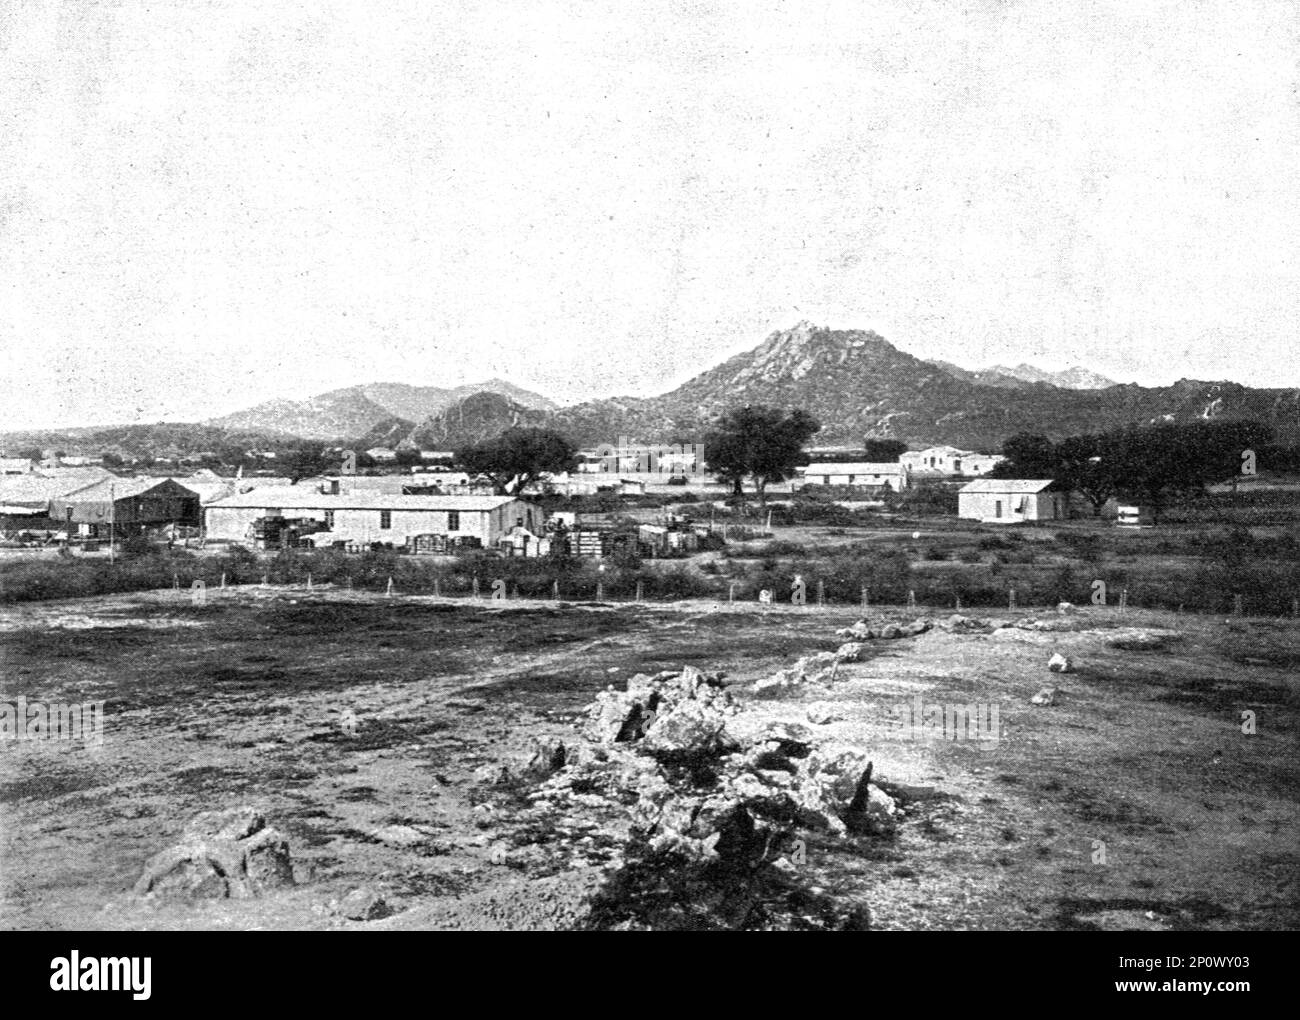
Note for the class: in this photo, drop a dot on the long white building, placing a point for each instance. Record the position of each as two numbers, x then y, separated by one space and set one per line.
364 518
880 476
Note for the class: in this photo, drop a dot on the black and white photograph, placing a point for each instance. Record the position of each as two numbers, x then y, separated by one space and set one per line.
671 465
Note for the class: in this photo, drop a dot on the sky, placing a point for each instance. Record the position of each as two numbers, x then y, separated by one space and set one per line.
204 205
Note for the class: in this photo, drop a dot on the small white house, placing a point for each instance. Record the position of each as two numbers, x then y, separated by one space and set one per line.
877 476
1009 501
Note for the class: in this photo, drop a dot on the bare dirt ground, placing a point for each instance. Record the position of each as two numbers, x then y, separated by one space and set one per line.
1134 801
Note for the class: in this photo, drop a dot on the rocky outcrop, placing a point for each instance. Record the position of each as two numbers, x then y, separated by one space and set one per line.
228 854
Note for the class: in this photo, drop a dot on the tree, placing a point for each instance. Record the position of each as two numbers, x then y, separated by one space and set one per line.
1222 444
304 461
1152 463
763 444
518 457
1029 455
884 451
1081 468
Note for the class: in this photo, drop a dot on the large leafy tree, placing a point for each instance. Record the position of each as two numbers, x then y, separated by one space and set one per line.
1081 468
518 457
884 451
763 444
1029 455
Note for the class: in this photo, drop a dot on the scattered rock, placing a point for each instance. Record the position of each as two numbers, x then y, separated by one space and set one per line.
1047 696
549 755
493 774
400 835
1059 663
364 905
227 854
1065 607
821 714
1132 639
850 651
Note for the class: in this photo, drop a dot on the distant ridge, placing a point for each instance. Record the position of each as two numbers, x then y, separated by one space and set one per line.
356 410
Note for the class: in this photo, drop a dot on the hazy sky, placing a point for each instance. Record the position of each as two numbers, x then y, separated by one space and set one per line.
208 204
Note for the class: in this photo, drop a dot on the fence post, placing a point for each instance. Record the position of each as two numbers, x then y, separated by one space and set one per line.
1236 605
956 601
600 591
639 590
1123 601
473 587
266 580
176 582
437 587
821 593
223 580
1011 598
911 598
555 590
309 580
866 602
1295 609
390 586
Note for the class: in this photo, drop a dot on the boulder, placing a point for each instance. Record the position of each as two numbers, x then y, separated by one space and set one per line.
1047 696
821 714
549 755
781 682
1059 663
364 905
850 651
400 835
689 727
229 854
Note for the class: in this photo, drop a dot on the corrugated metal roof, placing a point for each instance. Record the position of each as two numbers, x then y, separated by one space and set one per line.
40 489
1014 486
297 498
119 488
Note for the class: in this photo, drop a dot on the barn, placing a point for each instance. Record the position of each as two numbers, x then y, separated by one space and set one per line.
1010 501
362 519
128 505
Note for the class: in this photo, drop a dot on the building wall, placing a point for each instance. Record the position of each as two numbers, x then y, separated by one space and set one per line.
983 506
890 481
233 523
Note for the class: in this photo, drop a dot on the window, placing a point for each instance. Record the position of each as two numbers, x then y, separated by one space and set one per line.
68 512
385 519
997 511
329 519
453 520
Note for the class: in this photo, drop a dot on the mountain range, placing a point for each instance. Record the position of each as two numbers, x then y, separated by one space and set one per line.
355 411
854 381
1074 378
